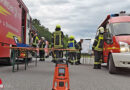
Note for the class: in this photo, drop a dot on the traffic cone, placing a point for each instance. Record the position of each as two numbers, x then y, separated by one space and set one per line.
1 85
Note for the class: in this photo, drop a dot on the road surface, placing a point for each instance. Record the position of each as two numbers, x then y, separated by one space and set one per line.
82 77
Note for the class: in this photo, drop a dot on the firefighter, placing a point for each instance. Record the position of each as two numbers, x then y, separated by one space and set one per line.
72 54
98 48
79 44
57 43
42 45
35 44
35 40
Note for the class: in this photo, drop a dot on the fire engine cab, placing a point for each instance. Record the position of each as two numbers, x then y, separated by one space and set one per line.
116 51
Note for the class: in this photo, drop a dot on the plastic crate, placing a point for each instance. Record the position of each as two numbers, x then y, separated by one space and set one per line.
22 45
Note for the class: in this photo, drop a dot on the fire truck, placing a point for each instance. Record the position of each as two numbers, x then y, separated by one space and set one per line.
14 21
116 51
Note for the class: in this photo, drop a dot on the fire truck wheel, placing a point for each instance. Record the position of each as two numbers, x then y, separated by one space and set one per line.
10 60
112 68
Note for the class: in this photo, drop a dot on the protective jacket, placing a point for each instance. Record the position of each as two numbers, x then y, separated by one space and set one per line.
42 44
72 44
35 40
79 46
98 43
57 39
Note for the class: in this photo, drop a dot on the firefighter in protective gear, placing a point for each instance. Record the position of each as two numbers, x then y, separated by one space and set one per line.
72 54
35 44
79 45
57 43
35 40
98 48
42 46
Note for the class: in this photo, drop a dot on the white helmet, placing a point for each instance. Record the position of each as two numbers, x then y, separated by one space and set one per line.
43 38
101 30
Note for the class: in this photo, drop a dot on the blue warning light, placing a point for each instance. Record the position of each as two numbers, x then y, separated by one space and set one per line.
114 15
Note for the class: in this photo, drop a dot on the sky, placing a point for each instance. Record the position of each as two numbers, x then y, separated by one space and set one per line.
76 17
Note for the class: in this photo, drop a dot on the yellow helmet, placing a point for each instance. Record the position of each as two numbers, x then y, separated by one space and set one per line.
71 37
58 26
101 30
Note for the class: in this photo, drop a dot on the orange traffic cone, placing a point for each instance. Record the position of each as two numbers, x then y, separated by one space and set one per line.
1 85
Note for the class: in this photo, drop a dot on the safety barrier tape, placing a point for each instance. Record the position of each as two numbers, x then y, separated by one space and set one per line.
30 48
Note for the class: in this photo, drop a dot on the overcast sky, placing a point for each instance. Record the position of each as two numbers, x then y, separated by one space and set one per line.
76 17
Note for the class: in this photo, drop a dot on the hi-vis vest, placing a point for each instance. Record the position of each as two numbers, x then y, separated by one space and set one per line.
71 44
35 40
99 46
58 39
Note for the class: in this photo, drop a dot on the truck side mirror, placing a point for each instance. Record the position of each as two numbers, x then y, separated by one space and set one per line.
109 41
108 38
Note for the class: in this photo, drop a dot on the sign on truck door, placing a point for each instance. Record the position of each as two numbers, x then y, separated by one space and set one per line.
10 24
10 21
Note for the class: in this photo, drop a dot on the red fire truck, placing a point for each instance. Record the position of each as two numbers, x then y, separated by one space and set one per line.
116 52
14 21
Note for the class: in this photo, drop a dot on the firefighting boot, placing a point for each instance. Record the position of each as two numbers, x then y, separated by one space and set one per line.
77 63
40 59
72 63
95 66
99 66
54 61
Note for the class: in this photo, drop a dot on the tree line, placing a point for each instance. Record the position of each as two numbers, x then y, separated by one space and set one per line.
44 32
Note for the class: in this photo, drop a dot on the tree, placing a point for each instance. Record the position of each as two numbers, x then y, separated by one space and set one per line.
36 21
42 30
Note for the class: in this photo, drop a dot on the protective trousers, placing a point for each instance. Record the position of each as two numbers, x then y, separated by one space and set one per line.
42 55
58 54
72 57
78 56
98 58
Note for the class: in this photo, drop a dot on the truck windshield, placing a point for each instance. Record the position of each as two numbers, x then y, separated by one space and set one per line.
121 28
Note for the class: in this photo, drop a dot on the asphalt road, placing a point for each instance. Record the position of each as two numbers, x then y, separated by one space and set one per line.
82 77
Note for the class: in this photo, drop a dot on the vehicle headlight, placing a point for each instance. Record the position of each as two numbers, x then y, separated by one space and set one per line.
124 47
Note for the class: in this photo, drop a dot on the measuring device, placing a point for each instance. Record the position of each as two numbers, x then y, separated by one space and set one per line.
61 75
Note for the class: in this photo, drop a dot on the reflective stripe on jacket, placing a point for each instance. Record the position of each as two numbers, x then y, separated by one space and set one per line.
35 40
57 39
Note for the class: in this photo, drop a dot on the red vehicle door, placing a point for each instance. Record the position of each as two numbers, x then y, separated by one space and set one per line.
107 43
10 24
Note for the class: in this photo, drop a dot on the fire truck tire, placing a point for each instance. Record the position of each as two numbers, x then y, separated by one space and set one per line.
112 68
10 60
